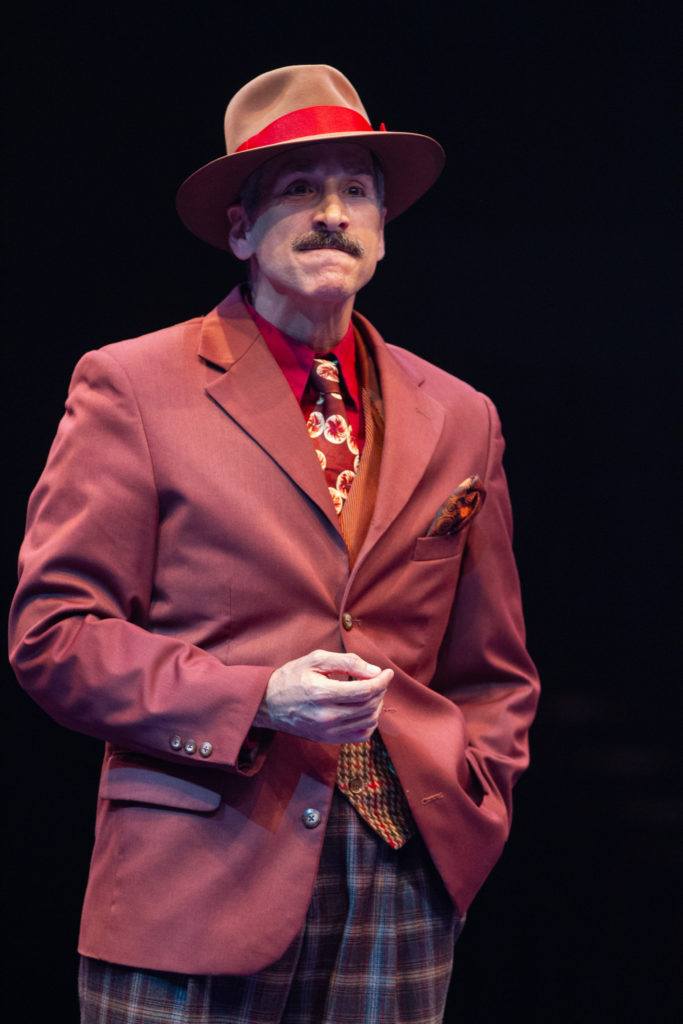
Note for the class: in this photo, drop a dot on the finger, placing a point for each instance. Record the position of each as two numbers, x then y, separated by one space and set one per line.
352 732
346 661
353 691
367 719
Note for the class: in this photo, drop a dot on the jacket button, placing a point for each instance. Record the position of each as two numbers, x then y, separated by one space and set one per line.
176 742
347 621
190 747
356 785
206 749
311 818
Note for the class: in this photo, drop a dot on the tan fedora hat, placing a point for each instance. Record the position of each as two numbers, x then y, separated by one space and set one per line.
295 106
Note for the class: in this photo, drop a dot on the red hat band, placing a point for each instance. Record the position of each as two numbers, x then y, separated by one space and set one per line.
300 124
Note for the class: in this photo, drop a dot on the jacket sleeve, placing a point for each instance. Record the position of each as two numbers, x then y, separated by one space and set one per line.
80 641
483 664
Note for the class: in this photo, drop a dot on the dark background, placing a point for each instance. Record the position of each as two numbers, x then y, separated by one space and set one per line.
540 268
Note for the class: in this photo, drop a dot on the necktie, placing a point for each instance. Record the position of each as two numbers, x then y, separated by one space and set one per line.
365 774
330 431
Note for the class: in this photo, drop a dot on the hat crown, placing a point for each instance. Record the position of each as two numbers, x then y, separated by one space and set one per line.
276 93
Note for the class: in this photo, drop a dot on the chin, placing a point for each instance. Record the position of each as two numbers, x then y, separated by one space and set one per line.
330 293
335 287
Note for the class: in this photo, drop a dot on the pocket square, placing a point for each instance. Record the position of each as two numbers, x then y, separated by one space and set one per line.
458 508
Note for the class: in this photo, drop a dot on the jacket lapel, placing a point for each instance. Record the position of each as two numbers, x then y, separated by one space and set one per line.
254 392
413 422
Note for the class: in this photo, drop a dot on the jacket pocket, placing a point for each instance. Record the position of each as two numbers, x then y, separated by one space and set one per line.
135 778
451 545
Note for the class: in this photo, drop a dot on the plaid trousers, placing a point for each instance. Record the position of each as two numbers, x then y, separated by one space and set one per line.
376 948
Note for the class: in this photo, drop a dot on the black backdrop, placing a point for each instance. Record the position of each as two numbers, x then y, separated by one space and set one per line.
541 269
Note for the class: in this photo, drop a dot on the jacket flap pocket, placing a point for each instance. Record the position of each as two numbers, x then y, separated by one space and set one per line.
450 545
140 779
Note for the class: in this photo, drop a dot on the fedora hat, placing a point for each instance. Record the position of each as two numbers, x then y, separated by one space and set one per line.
296 106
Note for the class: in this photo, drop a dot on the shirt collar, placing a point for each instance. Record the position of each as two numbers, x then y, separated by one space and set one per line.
295 358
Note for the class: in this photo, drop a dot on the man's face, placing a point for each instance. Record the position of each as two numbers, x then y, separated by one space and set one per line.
316 232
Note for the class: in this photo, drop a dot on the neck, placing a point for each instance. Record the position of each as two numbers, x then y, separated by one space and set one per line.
320 325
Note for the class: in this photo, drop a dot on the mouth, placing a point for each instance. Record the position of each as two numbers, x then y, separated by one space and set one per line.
338 240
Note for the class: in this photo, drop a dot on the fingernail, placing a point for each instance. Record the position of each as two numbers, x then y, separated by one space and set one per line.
372 668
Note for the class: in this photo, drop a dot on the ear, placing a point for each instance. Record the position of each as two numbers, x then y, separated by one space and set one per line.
239 232
381 249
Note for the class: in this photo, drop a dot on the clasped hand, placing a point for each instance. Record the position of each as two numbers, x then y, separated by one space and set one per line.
306 697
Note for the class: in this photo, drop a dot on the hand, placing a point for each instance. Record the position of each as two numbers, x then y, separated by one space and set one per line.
306 697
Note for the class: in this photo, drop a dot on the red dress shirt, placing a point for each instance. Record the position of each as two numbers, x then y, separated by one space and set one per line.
295 359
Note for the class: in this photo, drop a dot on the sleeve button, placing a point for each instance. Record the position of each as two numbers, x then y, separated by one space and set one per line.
206 749
176 742
311 818
190 747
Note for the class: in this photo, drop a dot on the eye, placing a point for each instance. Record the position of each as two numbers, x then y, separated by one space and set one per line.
361 186
299 187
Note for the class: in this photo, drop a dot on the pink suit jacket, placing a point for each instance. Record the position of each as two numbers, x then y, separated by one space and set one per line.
181 544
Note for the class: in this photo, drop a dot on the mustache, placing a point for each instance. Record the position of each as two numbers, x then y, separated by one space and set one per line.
328 240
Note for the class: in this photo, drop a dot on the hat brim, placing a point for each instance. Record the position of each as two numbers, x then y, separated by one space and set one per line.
411 164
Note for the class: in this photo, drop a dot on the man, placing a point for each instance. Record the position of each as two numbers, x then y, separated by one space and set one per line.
269 563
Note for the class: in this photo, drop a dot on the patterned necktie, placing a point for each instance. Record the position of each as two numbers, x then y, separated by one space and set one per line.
365 774
331 432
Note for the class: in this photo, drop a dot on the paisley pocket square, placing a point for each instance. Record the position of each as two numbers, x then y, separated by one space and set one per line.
458 508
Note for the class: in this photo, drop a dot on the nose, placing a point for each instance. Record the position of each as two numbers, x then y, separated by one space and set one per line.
331 212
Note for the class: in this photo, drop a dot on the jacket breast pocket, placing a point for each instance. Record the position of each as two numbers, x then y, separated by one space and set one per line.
451 545
134 778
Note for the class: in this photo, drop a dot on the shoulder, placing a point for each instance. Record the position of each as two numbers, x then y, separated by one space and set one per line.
183 347
447 389
150 349
150 364
435 380
144 371
468 412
